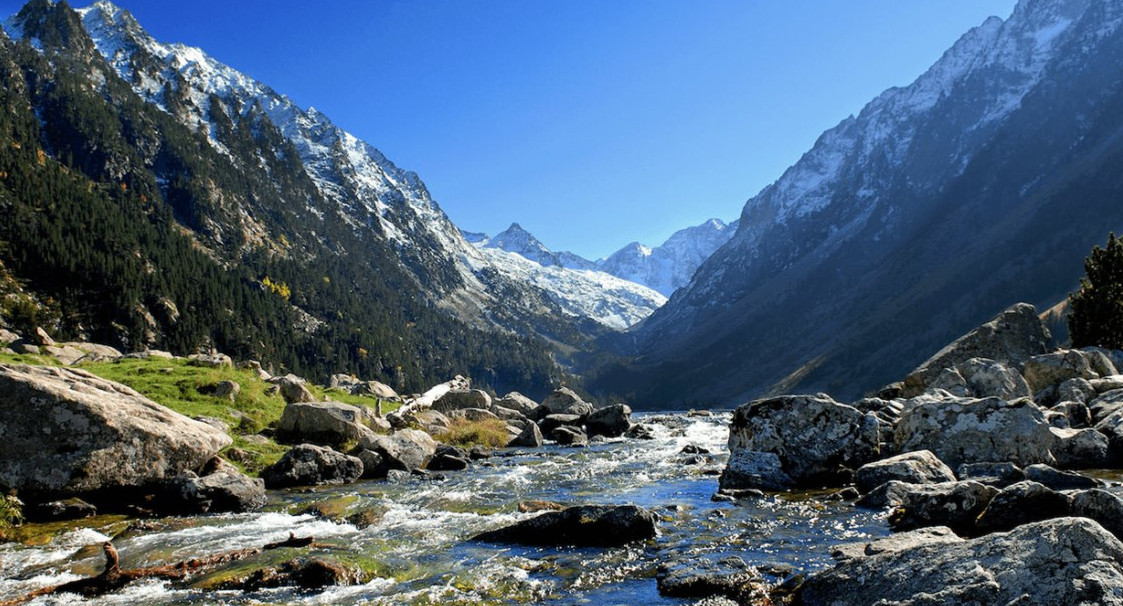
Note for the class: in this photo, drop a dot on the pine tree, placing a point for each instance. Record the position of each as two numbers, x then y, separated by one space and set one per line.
1096 310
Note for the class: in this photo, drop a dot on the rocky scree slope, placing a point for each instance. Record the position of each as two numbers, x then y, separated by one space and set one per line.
985 180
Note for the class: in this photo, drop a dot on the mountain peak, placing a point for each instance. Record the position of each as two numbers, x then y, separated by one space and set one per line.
519 241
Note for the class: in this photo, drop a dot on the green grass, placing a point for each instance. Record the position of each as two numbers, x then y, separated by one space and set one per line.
338 395
491 433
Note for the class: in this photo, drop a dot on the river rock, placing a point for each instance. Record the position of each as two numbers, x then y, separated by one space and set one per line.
325 423
816 438
1020 504
457 399
1100 505
582 526
519 403
449 458
699 578
1059 480
641 431
293 389
999 475
963 430
1062 561
549 423
1081 448
508 414
406 450
886 496
749 469
222 488
529 437
565 401
58 511
311 465
953 504
65 432
932 535
917 467
567 435
611 421
1011 337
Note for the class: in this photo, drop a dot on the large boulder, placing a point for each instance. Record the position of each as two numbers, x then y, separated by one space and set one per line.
754 469
988 378
1062 561
964 430
311 465
65 431
519 403
326 423
918 467
293 389
1020 504
529 437
817 439
458 399
584 526
404 450
565 401
1011 337
611 421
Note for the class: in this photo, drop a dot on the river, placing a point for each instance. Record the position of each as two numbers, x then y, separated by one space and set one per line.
419 538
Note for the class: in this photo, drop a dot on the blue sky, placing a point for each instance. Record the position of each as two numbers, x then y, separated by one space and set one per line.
592 123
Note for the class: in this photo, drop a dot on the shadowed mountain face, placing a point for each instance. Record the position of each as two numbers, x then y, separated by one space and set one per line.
983 183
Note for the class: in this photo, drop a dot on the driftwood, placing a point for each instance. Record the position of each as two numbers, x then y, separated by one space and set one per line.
113 578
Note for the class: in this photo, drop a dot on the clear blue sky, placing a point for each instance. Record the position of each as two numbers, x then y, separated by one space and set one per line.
592 123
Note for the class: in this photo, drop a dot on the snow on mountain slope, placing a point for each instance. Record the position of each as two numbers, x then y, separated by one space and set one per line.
668 267
369 190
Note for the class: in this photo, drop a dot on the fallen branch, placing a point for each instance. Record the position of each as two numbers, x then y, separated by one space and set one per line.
113 578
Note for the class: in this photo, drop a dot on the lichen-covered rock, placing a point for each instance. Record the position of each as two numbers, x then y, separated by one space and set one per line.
754 469
989 378
953 504
962 430
1020 504
1081 448
1047 370
817 439
999 475
325 423
1061 561
65 432
311 465
519 403
1011 337
583 526
457 399
917 467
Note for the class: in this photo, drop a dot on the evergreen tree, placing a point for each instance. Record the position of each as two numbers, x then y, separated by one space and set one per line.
1096 310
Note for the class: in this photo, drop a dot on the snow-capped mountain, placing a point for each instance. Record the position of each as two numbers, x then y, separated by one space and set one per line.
668 267
367 189
982 183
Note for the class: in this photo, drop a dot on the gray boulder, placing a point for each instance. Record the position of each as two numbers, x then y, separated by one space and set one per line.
565 401
817 439
529 437
1019 504
1047 370
1076 390
917 467
932 535
611 421
431 421
953 504
584 526
326 423
1059 480
1081 448
1100 505
1011 337
999 475
293 389
549 423
473 414
449 458
754 469
519 403
311 465
221 488
989 378
567 435
406 450
961 430
457 399
65 432
1062 561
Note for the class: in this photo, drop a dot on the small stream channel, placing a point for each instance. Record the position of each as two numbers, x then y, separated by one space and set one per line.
419 539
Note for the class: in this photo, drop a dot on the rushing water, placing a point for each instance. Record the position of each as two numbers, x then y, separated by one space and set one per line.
420 540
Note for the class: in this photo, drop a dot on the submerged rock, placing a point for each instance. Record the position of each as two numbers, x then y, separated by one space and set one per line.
583 526
730 578
1063 561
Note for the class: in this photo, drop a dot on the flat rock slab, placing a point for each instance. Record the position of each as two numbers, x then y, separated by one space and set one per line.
583 526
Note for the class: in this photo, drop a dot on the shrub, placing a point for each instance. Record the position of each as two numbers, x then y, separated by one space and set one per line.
11 511
488 432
